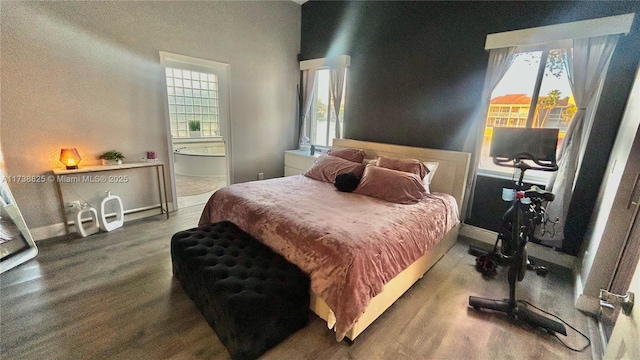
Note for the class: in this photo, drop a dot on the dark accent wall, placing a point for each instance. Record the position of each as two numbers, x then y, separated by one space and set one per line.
615 93
488 206
417 72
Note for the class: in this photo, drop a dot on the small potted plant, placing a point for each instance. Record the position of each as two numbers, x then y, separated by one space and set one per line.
112 157
194 128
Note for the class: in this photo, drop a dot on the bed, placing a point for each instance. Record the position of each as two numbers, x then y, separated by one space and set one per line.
362 253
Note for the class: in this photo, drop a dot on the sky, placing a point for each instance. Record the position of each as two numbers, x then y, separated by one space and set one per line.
521 77
323 85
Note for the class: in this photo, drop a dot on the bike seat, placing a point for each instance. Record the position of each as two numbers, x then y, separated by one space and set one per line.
535 192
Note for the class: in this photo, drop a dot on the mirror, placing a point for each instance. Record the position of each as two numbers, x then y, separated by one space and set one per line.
16 243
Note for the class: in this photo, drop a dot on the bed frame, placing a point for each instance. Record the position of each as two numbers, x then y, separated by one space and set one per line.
450 178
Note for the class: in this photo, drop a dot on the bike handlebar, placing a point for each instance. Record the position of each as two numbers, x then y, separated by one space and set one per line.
516 161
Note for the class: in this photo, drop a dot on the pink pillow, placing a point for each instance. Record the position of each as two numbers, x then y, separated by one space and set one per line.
394 186
407 165
327 167
355 155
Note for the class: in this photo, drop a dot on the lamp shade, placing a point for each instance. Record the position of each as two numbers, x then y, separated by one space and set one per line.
70 158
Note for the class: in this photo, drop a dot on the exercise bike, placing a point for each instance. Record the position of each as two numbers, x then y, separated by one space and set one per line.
519 221
533 213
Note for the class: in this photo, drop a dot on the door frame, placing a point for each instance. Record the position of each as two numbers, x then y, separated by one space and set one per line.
628 214
223 71
625 327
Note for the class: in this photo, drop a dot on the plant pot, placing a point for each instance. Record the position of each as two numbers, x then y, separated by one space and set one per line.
111 162
194 134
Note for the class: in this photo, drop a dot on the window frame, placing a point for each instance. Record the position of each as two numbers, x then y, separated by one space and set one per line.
534 177
316 65
201 108
554 36
224 109
220 70
330 111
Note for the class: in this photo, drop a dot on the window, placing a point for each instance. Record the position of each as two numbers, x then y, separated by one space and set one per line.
193 99
534 92
322 113
321 78
535 73
197 96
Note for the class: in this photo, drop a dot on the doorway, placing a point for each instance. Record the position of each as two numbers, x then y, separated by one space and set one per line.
197 118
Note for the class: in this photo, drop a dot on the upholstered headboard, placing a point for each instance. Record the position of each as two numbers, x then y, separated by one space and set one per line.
450 177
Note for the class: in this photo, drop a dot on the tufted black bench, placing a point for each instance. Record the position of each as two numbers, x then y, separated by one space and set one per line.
252 297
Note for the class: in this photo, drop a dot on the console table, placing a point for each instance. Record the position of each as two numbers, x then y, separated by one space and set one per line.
159 166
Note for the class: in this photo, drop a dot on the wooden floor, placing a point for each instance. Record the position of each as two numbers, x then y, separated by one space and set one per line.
112 296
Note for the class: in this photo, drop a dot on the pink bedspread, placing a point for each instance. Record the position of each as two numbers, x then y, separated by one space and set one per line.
351 245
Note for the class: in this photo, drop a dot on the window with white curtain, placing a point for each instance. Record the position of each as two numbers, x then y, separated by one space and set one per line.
323 99
535 93
323 115
526 79
535 90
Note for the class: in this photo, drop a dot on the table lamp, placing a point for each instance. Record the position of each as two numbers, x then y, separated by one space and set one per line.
70 158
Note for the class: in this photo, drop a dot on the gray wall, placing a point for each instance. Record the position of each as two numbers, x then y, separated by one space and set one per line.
87 75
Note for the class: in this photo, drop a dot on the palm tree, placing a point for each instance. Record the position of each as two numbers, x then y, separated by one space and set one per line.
321 110
545 105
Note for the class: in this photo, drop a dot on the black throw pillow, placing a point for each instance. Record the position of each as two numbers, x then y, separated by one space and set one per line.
347 182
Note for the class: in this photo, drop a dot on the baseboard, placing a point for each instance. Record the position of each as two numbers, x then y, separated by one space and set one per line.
54 230
588 304
46 232
483 238
584 302
591 307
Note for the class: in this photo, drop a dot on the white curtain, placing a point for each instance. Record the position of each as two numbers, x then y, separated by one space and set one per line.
585 69
336 80
308 86
499 62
